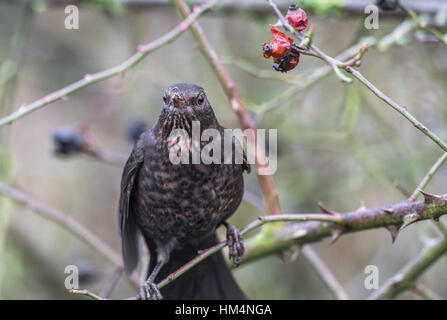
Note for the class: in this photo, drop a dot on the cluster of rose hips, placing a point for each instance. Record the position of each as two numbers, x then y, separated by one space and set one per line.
280 48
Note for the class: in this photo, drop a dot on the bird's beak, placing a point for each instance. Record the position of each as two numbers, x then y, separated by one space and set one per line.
177 100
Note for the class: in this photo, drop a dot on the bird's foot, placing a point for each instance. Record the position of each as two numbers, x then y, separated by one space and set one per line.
235 244
150 291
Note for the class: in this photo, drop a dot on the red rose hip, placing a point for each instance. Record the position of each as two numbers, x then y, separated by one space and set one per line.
279 47
297 17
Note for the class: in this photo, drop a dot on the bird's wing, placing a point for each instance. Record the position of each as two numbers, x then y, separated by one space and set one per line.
238 148
126 219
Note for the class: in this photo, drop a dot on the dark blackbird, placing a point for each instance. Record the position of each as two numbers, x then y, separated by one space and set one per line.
177 207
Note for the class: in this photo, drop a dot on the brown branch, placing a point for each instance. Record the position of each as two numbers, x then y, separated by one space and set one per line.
325 273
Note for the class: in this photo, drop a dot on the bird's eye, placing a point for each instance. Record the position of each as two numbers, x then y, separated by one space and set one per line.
165 97
200 99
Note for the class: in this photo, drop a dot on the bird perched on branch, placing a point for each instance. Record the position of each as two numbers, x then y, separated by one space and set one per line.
177 207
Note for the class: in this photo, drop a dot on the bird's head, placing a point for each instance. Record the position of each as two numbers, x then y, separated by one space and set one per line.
184 103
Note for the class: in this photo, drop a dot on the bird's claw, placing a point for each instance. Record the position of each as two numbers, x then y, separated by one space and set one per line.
235 244
150 291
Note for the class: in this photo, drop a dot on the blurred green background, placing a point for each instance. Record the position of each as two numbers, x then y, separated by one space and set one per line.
338 143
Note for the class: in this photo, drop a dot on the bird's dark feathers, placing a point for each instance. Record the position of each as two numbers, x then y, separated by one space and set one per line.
126 220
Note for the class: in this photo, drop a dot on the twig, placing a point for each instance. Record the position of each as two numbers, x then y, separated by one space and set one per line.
396 35
87 293
111 282
406 277
208 252
421 186
325 273
422 25
352 7
425 292
143 51
68 223
401 109
312 256
265 181
8 79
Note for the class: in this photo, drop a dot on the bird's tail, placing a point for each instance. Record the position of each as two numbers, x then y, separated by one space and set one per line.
210 279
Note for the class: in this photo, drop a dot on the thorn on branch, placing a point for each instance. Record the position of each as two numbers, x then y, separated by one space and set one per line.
362 207
388 210
394 231
326 210
430 198
336 233
409 219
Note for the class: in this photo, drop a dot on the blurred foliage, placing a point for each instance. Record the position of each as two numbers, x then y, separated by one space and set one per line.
111 6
